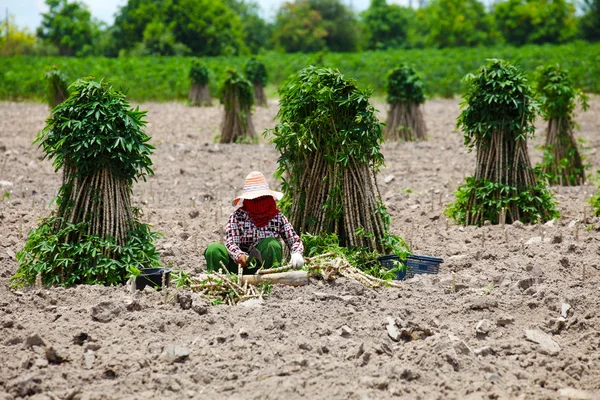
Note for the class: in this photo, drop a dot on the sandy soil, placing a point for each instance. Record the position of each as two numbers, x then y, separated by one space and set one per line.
325 340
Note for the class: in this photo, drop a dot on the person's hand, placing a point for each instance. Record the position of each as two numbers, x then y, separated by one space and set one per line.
297 260
242 260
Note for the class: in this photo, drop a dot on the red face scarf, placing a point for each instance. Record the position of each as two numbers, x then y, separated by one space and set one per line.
261 210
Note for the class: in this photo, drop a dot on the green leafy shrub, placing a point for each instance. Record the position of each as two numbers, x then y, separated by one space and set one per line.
57 86
199 72
562 162
497 119
256 72
404 85
329 139
238 97
94 236
404 94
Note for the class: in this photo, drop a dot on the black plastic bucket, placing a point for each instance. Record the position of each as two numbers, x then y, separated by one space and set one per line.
392 261
152 277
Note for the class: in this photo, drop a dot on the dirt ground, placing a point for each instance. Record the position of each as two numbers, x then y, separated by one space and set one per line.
510 315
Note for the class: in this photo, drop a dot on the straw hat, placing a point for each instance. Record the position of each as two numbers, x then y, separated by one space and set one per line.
256 186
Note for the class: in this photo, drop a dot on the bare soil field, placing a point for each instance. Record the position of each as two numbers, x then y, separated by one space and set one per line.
511 315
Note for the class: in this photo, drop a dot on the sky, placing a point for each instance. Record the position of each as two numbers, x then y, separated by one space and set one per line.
27 12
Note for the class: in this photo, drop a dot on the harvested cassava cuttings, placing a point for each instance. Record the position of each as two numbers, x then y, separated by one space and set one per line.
222 288
57 87
562 162
237 97
199 76
256 72
405 95
329 140
94 235
497 120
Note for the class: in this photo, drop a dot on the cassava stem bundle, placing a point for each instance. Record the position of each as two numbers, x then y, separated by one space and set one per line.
405 95
497 120
199 76
94 237
329 141
256 72
237 97
562 162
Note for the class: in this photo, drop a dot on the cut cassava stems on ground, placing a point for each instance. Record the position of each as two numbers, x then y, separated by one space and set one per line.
199 94
405 95
237 97
256 72
562 161
94 235
497 119
329 141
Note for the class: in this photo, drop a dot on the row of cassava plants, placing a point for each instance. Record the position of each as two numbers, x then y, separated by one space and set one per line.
166 78
94 236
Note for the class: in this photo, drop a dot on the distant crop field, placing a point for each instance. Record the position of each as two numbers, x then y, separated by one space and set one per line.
166 78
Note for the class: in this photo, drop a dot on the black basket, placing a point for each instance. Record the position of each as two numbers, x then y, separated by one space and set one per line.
152 277
415 265
391 261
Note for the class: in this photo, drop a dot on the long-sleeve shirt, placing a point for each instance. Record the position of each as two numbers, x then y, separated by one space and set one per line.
241 233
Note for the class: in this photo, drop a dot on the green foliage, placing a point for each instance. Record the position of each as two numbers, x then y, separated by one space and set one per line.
166 78
66 263
556 93
199 72
313 25
57 86
536 21
359 257
404 85
159 39
322 111
95 129
595 199
387 25
256 72
590 21
498 89
535 203
205 27
452 23
236 86
256 32
68 26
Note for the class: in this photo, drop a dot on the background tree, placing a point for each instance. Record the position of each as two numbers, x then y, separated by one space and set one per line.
159 39
562 162
329 139
199 76
451 23
237 97
535 21
68 26
15 41
205 27
256 72
313 25
590 21
405 95
497 119
256 31
386 26
299 28
94 237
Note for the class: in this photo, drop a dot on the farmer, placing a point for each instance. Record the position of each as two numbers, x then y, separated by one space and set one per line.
255 223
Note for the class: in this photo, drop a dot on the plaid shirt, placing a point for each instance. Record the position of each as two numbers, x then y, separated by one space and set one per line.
241 233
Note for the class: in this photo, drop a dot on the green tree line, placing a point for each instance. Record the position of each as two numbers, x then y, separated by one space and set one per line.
235 27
